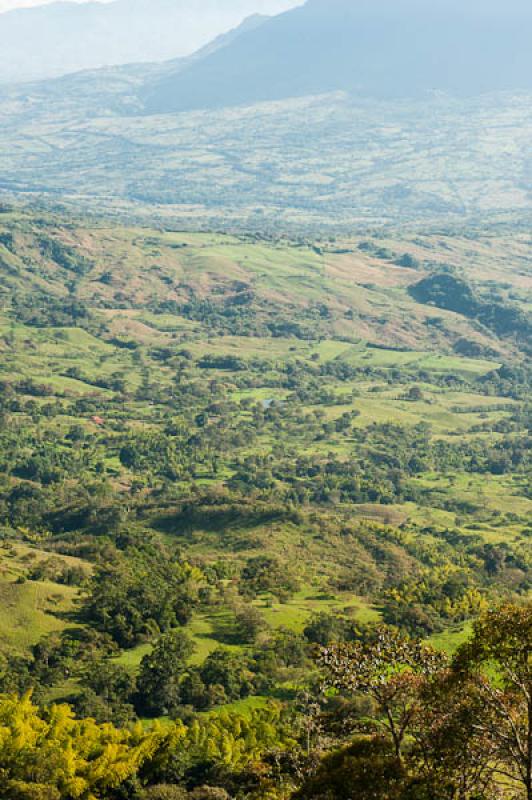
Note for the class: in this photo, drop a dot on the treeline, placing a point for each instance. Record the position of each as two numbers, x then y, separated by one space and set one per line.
449 291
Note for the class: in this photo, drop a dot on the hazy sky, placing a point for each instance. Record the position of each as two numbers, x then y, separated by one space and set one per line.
8 5
159 30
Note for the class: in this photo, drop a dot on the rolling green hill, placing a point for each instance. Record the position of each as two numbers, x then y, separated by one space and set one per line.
232 396
219 453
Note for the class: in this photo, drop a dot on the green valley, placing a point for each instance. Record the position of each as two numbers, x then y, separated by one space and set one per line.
220 453
230 396
265 400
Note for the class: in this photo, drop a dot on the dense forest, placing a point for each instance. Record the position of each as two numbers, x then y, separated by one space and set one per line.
265 514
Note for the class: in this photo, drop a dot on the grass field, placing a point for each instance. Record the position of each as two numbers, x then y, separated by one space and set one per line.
29 610
292 615
450 640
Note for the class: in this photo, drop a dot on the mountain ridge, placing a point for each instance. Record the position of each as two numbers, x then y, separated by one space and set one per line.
60 38
373 49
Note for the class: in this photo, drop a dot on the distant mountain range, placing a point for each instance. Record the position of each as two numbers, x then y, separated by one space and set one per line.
63 37
383 48
384 111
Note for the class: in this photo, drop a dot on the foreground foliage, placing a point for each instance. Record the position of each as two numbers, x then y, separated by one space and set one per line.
50 755
429 729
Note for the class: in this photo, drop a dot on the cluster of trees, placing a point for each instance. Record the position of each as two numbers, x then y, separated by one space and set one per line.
168 685
389 718
445 729
49 754
449 291
63 255
144 591
47 311
241 313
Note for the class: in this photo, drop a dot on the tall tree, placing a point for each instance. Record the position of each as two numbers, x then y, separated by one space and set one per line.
161 672
499 657
451 758
390 668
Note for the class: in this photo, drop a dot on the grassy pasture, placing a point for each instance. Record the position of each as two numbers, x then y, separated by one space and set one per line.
31 609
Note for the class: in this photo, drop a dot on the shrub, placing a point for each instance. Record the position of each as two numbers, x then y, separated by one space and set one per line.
165 791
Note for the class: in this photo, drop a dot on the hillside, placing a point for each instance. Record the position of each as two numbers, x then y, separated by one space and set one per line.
161 367
265 400
380 289
380 49
324 163
218 453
